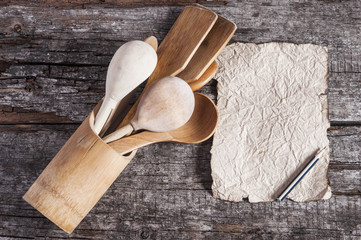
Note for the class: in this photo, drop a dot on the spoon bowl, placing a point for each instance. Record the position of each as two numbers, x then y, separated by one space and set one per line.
199 128
202 123
166 105
131 65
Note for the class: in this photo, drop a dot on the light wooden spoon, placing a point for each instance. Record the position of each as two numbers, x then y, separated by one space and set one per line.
166 105
118 111
199 128
204 79
132 64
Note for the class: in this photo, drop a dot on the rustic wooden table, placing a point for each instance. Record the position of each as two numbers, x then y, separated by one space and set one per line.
53 62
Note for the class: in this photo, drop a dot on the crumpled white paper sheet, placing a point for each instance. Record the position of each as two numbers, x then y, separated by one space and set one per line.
273 118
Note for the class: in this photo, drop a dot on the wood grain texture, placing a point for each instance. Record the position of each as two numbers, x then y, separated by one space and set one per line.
211 47
168 195
76 178
57 65
207 76
52 73
108 3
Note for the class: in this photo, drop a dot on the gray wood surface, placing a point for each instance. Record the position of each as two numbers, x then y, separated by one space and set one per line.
53 62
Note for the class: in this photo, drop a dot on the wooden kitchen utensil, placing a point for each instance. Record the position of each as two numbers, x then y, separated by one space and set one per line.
152 41
199 128
182 41
197 83
122 107
179 46
205 78
213 44
166 105
132 64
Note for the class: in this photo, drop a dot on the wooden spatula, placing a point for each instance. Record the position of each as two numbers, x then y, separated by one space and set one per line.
205 78
182 41
210 48
179 46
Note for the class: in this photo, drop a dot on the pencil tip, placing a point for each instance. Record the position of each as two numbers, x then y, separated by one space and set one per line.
319 153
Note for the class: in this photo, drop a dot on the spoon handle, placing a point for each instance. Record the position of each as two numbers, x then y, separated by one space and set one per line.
136 141
103 114
205 78
121 132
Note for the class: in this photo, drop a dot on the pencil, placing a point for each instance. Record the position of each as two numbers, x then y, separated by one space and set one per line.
299 177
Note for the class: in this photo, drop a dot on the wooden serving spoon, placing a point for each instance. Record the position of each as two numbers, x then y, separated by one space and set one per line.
166 105
132 64
203 80
199 128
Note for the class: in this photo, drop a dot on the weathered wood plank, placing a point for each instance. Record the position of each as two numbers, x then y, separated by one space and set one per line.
93 33
344 97
165 165
74 4
345 145
71 50
52 70
166 192
50 94
161 214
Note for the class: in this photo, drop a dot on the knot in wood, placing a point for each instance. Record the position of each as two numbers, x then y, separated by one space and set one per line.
145 233
17 28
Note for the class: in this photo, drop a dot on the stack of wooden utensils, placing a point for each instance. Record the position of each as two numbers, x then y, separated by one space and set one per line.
187 52
167 110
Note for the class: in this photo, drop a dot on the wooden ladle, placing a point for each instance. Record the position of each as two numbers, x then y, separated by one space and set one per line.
199 128
166 105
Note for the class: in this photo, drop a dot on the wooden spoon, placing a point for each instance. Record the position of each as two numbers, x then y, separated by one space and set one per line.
122 106
132 64
179 46
166 105
199 128
152 41
203 80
